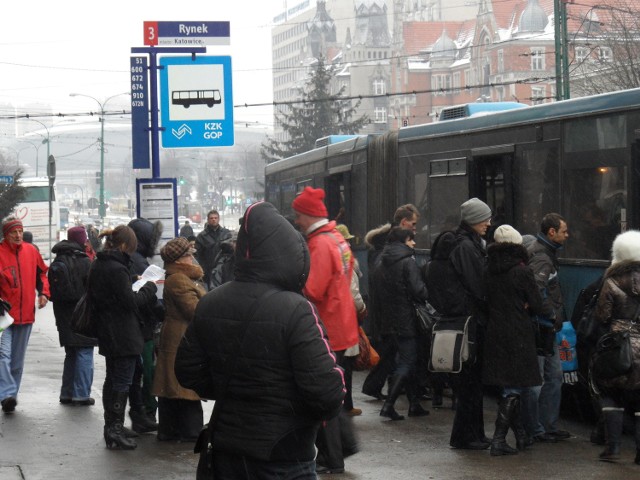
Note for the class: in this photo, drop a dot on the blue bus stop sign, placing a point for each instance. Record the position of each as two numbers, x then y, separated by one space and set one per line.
196 102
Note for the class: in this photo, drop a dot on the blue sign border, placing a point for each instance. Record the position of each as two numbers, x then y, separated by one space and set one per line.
140 151
196 133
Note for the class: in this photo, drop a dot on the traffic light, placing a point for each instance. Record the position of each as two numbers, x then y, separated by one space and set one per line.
181 180
97 178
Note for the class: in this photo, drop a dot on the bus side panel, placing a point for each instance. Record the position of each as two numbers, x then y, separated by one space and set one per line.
382 178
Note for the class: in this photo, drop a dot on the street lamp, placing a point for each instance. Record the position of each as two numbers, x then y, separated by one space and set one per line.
46 140
102 210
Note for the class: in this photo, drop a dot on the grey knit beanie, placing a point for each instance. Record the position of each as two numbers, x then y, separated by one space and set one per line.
474 211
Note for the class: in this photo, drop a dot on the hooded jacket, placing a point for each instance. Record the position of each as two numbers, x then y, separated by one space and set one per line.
617 306
22 266
148 235
510 357
329 285
268 365
398 285
63 310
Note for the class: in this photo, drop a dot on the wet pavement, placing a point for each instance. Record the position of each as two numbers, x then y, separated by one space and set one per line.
46 440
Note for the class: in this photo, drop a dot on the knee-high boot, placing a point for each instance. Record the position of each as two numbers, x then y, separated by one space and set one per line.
396 383
506 411
114 435
522 439
613 418
637 438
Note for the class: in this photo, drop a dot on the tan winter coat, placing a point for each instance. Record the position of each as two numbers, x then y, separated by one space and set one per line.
617 304
182 291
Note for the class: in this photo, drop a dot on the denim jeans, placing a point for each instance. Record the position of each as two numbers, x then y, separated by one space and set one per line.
120 373
228 466
13 348
541 405
77 373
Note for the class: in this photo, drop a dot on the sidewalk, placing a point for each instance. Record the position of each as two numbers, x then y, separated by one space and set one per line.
46 440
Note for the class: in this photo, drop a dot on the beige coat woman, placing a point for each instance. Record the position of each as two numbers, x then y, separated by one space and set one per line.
182 291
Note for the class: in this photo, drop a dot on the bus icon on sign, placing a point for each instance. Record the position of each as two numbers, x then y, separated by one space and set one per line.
186 98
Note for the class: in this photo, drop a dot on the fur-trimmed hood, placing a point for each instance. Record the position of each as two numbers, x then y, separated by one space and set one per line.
148 235
376 238
626 247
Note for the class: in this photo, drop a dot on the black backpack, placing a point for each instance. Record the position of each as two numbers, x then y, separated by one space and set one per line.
67 277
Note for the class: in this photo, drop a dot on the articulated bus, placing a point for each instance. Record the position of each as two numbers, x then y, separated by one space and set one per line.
33 211
579 157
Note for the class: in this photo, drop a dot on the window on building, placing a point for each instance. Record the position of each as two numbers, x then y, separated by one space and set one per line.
500 61
582 54
456 82
380 115
537 95
537 59
378 86
605 54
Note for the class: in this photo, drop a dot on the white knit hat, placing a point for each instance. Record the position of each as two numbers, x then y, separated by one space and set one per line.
507 234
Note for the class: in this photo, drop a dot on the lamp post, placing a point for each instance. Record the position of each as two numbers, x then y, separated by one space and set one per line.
102 210
46 140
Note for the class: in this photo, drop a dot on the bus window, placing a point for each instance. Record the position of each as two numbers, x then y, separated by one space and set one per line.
598 216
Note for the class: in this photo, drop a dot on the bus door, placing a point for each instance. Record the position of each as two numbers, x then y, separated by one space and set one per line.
448 187
337 187
489 180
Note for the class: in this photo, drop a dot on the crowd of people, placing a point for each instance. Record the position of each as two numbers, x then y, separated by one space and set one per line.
265 321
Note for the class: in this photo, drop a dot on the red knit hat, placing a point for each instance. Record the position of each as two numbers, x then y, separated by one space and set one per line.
9 225
310 202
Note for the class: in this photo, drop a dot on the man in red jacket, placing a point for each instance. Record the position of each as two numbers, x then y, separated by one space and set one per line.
21 270
329 288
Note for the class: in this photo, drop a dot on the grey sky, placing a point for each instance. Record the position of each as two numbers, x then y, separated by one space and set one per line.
50 49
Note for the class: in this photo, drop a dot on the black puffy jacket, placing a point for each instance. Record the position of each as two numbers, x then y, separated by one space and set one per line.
397 285
282 377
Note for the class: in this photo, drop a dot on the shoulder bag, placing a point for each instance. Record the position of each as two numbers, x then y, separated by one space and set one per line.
204 444
612 356
451 346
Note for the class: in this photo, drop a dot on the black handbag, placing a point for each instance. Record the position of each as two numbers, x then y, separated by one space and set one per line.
427 316
612 356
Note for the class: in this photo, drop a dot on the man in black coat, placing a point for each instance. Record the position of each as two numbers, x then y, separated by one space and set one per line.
208 244
258 348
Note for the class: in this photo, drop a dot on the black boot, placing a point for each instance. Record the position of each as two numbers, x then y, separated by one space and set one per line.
396 384
522 439
114 435
637 438
506 411
140 422
414 396
613 418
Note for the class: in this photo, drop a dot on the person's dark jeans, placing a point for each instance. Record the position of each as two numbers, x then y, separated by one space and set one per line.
228 466
120 372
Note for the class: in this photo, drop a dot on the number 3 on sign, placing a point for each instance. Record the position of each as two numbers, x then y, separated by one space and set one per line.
151 33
